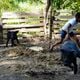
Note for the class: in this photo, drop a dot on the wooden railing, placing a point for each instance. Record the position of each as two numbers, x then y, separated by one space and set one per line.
30 22
23 22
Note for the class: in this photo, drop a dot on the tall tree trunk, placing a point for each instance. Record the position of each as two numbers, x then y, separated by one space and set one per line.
47 7
51 24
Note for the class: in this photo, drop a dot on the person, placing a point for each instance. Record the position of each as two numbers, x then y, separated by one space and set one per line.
68 28
69 53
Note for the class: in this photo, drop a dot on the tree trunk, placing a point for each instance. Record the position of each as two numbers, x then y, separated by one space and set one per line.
48 4
51 24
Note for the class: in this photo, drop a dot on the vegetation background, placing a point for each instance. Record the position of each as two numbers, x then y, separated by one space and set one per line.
30 5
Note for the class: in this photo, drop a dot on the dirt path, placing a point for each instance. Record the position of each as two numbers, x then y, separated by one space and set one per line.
22 63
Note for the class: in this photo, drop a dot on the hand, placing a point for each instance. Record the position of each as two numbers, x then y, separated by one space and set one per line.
51 48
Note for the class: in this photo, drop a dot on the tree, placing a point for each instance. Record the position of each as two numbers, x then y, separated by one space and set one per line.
13 5
61 4
52 5
71 4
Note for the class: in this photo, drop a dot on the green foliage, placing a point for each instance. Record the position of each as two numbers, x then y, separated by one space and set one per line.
14 5
72 4
57 4
75 6
66 4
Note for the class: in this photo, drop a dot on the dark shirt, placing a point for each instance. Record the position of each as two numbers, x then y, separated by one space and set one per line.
70 45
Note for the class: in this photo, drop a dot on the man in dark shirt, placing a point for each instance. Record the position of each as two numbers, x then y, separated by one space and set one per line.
70 51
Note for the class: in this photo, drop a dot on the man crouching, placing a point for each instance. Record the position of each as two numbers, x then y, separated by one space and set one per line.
70 51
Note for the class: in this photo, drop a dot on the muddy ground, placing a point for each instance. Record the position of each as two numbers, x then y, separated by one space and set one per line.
24 63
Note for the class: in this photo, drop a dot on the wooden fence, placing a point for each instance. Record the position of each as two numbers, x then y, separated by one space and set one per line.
32 23
61 19
23 22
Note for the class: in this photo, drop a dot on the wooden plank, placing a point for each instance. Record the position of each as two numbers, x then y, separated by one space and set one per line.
31 30
5 21
14 20
19 14
64 11
17 26
64 17
24 30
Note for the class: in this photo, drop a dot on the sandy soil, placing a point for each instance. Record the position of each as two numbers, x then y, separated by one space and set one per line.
23 63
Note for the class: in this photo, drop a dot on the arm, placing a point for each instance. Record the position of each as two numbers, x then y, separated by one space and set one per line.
73 37
69 26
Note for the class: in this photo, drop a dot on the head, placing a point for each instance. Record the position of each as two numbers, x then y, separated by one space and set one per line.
77 16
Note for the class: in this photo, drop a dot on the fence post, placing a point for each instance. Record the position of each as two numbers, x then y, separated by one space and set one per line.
1 33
